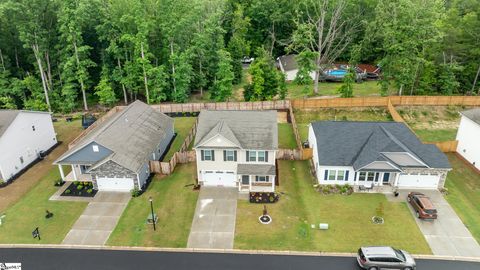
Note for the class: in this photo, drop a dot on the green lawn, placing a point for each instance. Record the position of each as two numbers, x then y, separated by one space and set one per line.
436 135
173 203
463 185
305 117
368 88
349 218
28 213
286 137
182 127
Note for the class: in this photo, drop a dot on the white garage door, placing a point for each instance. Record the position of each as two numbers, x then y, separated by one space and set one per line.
115 184
418 181
219 178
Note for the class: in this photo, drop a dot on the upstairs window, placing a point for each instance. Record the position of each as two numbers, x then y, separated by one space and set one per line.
252 156
208 155
229 155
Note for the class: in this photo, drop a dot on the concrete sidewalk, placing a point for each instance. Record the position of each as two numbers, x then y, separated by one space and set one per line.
98 220
213 224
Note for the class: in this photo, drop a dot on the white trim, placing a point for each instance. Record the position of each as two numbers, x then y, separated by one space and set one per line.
380 161
201 145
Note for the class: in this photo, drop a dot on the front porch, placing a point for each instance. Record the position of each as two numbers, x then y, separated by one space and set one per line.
77 173
256 178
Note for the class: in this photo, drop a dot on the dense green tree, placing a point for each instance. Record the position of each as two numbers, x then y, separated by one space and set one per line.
346 90
104 90
222 86
306 65
266 82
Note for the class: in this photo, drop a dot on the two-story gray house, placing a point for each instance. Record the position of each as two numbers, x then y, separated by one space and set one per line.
237 149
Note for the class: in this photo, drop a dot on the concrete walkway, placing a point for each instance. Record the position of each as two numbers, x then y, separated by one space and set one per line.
213 224
98 220
447 236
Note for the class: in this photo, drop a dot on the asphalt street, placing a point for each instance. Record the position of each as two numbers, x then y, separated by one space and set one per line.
81 259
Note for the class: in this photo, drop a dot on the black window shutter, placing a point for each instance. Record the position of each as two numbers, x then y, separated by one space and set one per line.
248 155
346 175
266 178
213 155
202 155
224 155
326 175
376 176
235 155
355 178
266 156
256 178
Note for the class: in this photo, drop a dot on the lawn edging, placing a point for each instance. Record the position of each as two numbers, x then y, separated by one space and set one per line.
226 251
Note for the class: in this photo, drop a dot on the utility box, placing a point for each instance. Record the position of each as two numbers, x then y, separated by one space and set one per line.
323 226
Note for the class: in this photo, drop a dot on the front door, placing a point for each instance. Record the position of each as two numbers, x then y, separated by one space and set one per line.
245 180
386 178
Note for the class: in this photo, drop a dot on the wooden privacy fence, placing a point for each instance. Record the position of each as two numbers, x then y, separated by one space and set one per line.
295 154
447 147
393 112
383 101
189 138
295 128
167 168
249 106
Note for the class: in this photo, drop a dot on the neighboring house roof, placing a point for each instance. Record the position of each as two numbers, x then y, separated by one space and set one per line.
131 135
373 145
473 114
288 62
246 129
7 117
256 169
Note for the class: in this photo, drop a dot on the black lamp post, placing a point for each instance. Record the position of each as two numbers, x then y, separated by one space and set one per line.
153 215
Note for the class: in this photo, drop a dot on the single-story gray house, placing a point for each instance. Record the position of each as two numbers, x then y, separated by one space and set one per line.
115 155
370 154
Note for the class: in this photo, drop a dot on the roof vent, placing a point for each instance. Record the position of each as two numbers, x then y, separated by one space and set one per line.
126 119
95 148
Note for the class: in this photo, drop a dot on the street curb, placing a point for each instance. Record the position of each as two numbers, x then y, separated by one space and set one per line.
226 251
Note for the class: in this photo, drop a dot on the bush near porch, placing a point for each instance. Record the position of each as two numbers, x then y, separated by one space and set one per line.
349 218
173 202
463 184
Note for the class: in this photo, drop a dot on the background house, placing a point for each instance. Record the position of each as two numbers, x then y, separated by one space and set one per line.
23 136
468 136
237 149
288 65
115 155
370 154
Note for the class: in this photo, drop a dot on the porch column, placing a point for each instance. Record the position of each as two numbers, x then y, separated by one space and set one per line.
249 183
273 182
62 174
74 173
397 176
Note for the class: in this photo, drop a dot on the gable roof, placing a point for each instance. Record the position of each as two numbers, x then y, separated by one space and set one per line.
288 62
473 114
8 116
131 134
247 129
358 144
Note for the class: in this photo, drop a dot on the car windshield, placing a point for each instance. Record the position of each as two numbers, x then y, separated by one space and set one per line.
400 255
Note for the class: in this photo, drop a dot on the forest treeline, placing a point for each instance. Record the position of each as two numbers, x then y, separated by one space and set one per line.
62 55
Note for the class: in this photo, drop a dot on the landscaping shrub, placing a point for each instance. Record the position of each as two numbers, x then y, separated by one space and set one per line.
68 191
89 191
263 197
334 189
76 183
79 187
135 192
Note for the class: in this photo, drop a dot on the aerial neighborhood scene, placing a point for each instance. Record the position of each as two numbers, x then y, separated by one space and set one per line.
237 134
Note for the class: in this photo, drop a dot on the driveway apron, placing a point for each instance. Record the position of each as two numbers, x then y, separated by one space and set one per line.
213 224
447 235
98 220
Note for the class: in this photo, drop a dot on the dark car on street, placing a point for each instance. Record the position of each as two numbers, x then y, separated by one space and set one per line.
422 205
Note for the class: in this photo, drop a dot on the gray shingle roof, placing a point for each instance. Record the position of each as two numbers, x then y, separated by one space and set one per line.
288 62
249 129
255 169
131 134
473 114
359 143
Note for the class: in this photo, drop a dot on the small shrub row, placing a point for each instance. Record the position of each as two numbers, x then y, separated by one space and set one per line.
264 197
334 189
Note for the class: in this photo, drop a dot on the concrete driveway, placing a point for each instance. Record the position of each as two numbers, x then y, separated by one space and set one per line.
447 236
98 220
213 224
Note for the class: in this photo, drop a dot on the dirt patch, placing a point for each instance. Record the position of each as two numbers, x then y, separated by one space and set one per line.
66 132
342 114
432 117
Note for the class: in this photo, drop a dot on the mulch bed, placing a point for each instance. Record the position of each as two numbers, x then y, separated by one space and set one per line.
80 189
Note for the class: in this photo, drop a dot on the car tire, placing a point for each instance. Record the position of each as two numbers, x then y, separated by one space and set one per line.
407 268
409 199
373 268
417 214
